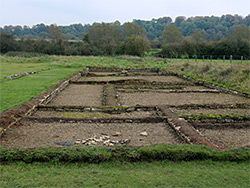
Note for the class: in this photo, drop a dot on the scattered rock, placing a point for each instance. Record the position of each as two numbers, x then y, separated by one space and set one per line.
144 133
56 136
117 134
78 141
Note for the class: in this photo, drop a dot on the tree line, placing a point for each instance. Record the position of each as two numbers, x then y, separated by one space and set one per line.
103 39
215 27
174 38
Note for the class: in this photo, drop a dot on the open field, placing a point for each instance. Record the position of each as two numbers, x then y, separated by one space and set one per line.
113 107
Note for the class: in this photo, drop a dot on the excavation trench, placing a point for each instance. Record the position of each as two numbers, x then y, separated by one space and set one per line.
142 105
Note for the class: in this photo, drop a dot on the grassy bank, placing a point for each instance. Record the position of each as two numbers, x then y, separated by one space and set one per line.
123 174
235 76
130 154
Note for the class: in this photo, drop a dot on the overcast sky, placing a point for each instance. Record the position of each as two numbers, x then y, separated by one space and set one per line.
66 12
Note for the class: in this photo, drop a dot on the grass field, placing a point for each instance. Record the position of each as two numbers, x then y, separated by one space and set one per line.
124 174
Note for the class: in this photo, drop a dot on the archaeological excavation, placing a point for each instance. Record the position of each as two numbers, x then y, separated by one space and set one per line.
131 107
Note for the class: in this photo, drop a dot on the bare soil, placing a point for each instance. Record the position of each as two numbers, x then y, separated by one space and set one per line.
79 95
146 78
228 137
33 134
130 99
94 115
211 111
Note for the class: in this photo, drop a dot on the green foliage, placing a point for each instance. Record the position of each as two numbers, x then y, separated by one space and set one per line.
136 45
171 34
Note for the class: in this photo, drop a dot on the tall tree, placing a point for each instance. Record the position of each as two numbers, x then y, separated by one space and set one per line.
105 37
55 33
130 29
171 34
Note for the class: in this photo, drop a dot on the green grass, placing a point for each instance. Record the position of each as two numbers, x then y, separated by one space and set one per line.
123 174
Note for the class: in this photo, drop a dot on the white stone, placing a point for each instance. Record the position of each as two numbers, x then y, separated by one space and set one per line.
117 134
144 133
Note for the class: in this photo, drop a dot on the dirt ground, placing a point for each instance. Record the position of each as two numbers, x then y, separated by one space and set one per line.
211 111
33 134
79 95
95 115
147 78
130 99
229 137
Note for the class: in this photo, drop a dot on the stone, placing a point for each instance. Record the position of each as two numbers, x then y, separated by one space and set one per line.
127 141
65 143
111 144
117 134
78 141
144 133
104 134
56 136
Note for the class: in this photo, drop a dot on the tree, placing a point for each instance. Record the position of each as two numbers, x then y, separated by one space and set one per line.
104 37
199 36
179 20
136 45
130 29
171 34
7 43
55 32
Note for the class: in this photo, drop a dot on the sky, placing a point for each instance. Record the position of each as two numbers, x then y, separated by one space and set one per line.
66 12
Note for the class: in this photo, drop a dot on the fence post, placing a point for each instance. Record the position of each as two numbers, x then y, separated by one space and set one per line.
241 58
187 58
231 58
223 58
196 58
210 58
203 58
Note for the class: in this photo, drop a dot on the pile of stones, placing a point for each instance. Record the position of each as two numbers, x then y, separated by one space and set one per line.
104 139
15 76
